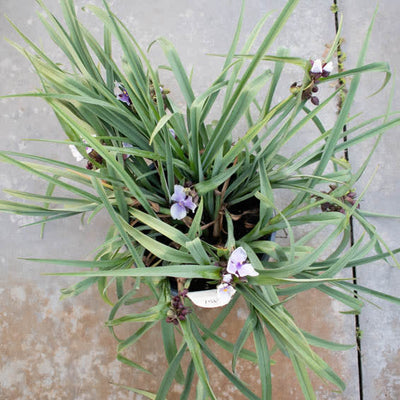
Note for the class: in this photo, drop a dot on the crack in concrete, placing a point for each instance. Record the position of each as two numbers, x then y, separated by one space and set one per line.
347 157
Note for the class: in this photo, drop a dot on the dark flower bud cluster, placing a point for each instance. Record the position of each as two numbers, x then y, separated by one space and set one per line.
318 70
349 198
178 311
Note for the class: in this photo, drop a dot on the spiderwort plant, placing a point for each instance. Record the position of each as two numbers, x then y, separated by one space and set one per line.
194 202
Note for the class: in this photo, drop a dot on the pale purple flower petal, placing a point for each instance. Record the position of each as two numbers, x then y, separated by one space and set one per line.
188 203
239 255
231 268
179 193
316 67
247 270
225 291
227 278
178 211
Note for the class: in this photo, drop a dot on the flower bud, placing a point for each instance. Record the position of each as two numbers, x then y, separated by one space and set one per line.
315 100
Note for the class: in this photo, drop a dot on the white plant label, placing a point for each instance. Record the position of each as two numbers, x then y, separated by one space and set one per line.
208 298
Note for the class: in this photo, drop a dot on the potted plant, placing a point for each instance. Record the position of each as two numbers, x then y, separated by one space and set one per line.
193 203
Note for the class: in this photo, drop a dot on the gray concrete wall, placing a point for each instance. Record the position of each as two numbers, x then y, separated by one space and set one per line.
61 350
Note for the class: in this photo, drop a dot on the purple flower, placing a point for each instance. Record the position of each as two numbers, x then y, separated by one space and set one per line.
316 67
225 291
124 97
182 203
319 69
237 264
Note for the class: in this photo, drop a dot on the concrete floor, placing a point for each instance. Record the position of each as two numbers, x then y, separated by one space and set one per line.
61 350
